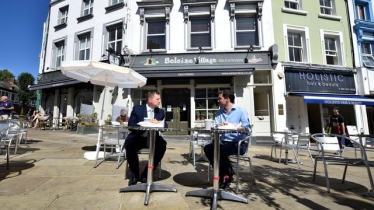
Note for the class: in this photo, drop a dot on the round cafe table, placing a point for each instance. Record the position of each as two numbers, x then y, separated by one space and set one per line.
216 193
150 187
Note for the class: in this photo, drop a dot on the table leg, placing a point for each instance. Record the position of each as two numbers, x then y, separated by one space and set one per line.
149 187
216 193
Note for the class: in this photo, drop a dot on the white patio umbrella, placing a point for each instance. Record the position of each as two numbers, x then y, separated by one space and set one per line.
103 74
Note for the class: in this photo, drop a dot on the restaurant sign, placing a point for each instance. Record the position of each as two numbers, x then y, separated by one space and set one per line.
320 82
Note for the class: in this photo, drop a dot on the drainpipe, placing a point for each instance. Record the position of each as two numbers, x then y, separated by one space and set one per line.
350 33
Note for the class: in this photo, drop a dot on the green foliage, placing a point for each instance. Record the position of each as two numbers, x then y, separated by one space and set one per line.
5 74
24 94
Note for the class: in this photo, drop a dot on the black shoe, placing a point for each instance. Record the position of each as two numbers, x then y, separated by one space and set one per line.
225 182
143 180
133 181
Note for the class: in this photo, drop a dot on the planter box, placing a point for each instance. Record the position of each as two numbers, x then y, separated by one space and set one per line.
87 129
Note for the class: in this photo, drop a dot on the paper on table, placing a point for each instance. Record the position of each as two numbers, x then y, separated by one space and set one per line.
160 124
230 126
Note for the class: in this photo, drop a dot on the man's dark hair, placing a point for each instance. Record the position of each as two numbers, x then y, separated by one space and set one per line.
152 93
227 94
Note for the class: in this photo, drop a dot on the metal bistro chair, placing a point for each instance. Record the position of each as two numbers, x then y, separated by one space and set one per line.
198 140
299 141
9 134
327 142
111 138
240 157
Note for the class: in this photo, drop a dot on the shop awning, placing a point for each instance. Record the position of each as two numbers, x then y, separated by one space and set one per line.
53 84
336 99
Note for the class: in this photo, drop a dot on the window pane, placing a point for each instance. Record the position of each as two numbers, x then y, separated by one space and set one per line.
245 23
200 40
112 35
119 33
200 25
81 55
156 42
119 46
295 54
156 27
366 48
200 93
246 38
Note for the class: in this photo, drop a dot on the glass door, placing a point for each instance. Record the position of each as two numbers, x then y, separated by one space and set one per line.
176 104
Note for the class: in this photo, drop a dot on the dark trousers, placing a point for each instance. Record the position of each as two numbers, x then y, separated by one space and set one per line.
132 147
226 149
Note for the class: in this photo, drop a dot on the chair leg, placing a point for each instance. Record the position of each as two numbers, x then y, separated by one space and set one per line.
326 174
345 171
97 154
310 155
280 155
237 174
159 170
7 157
252 171
297 159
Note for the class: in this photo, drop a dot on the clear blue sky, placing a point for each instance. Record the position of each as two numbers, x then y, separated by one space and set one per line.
21 31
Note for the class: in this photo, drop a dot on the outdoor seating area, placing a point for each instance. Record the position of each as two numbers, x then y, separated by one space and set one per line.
264 183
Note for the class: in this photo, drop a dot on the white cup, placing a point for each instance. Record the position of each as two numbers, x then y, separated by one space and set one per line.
146 119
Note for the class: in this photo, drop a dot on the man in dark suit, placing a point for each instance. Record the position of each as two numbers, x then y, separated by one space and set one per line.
137 140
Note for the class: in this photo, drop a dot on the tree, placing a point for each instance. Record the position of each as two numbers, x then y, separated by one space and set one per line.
5 74
24 94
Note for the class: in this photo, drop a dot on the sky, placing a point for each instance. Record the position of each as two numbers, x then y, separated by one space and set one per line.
21 31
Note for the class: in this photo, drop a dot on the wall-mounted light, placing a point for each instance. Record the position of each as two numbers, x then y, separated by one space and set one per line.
149 60
246 57
197 59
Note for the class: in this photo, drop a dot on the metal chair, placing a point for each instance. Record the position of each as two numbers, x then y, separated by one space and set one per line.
330 142
9 134
302 142
240 157
198 140
110 138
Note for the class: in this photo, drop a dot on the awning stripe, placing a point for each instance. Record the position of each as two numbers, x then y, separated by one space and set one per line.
336 99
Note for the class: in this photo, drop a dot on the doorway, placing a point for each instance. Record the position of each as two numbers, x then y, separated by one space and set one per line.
261 118
176 103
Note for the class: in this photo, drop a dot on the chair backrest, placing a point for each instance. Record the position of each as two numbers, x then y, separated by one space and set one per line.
277 137
303 139
328 143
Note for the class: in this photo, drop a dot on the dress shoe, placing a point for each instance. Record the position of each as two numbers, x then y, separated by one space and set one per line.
133 181
143 180
225 182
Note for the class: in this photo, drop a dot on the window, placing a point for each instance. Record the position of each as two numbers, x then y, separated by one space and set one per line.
113 2
295 48
115 38
206 103
367 54
156 35
200 32
59 53
292 4
63 15
246 31
84 47
296 39
330 51
88 7
154 21
326 7
361 11
332 43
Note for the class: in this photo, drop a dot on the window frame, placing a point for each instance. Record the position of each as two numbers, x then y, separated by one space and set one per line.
63 15
87 46
358 12
59 50
116 28
305 42
297 3
339 45
114 2
147 35
191 33
89 9
367 58
298 11
327 8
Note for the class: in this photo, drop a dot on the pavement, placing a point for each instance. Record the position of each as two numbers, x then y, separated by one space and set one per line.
49 172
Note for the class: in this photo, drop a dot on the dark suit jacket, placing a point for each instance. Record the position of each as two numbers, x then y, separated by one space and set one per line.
138 114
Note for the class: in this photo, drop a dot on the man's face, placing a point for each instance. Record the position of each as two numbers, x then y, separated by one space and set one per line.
222 101
155 101
335 111
3 99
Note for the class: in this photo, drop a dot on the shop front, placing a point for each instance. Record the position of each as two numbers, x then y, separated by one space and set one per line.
313 91
189 83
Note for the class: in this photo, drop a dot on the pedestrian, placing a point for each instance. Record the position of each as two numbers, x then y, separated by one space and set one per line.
338 126
6 107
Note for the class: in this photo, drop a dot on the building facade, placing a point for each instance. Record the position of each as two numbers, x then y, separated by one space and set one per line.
188 50
317 67
362 22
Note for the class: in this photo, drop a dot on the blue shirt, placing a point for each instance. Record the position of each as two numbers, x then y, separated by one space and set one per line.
237 115
7 105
